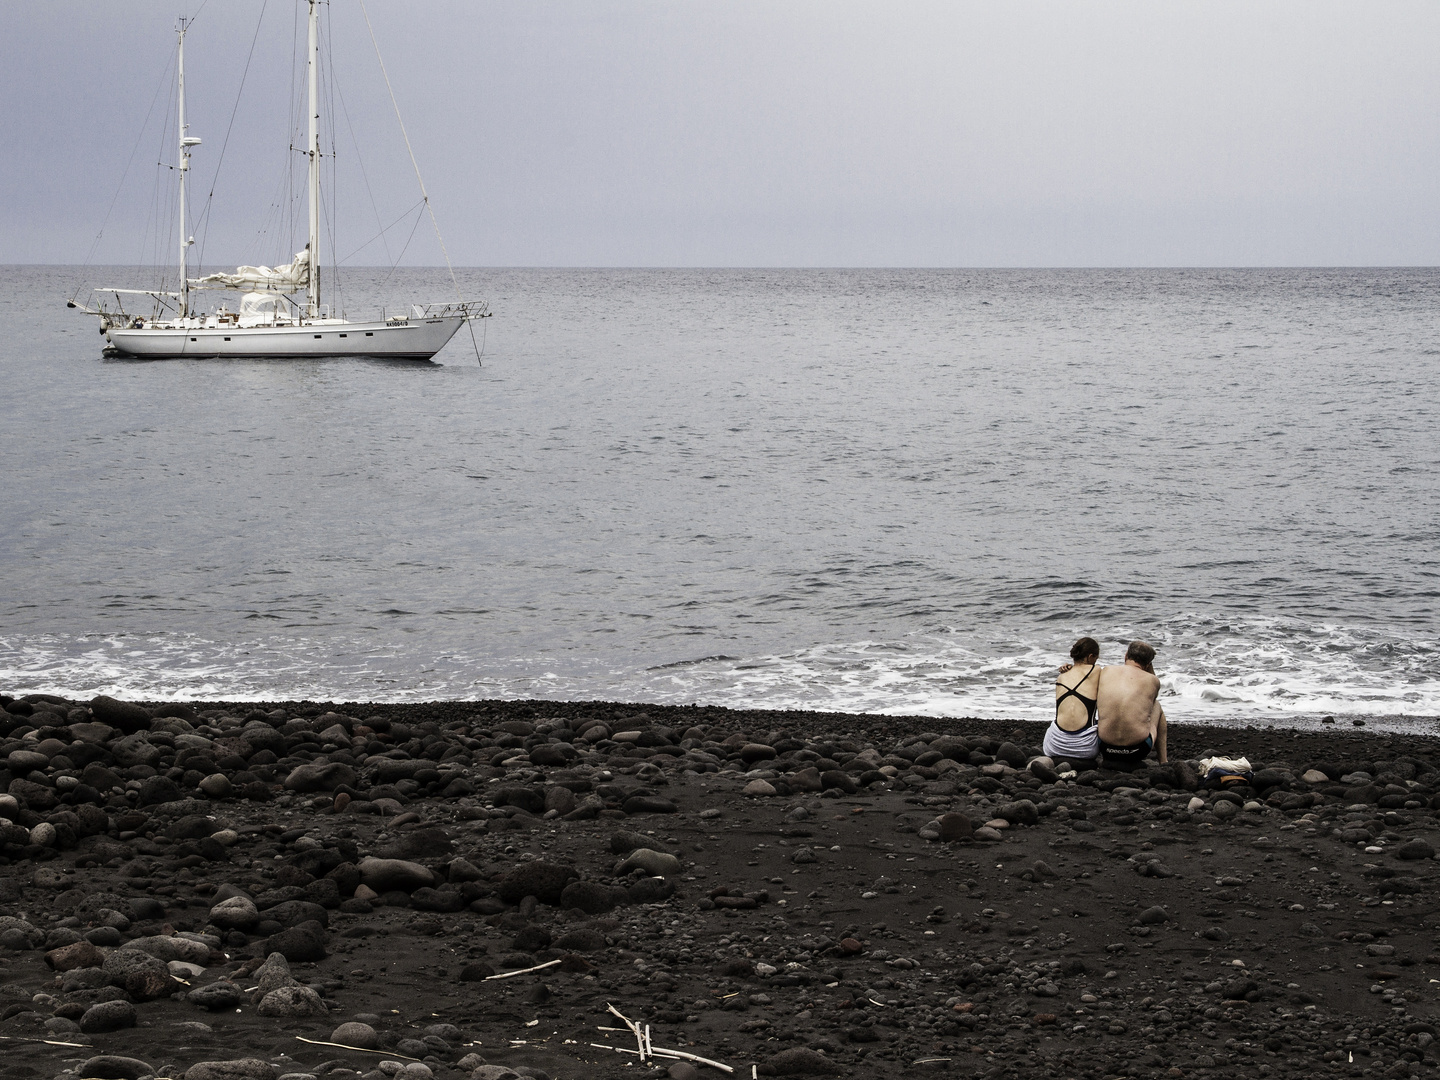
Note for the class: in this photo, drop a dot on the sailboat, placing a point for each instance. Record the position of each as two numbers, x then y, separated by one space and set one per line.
268 324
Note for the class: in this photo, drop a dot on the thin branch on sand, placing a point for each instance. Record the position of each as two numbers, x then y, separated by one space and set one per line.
522 971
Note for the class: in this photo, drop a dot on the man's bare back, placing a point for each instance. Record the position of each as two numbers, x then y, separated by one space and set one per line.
1129 715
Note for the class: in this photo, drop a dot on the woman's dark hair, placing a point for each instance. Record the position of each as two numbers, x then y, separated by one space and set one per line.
1085 648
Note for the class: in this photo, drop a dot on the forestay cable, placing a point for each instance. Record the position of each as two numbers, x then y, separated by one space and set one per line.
425 195
95 244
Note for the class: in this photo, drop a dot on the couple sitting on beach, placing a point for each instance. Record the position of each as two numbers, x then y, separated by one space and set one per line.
1112 713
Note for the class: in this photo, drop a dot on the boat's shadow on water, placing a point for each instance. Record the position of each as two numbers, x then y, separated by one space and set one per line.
266 361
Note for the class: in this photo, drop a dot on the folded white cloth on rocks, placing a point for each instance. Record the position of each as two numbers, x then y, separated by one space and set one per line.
1225 764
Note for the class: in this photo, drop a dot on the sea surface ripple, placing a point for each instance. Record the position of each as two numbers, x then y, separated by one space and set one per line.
898 491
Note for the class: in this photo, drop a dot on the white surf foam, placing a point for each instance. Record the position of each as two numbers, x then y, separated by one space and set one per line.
1211 672
1265 672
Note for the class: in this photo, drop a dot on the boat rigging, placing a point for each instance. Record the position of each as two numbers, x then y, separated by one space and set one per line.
269 324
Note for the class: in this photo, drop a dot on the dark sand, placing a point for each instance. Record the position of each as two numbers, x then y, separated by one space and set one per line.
1110 930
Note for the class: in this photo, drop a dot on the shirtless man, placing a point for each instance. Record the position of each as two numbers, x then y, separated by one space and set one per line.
1130 719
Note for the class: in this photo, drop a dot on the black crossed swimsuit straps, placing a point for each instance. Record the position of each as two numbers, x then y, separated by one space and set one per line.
1074 691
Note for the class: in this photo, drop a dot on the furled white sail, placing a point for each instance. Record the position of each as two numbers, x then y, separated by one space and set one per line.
271 278
259 309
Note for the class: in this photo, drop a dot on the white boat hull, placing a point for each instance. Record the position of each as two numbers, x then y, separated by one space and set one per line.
418 339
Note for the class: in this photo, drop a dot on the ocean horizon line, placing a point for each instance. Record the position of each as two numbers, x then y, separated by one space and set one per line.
918 267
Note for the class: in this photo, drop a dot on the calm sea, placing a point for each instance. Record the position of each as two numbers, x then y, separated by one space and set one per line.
898 491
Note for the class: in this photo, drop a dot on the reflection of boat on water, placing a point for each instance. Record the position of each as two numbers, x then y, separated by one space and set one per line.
269 323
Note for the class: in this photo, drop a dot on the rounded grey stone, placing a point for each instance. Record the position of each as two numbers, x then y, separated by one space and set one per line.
237 1069
236 913
107 1016
217 786
388 875
115 1067
291 1001
215 996
356 1034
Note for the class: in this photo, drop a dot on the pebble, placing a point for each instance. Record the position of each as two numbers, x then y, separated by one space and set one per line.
138 972
217 786
120 715
80 954
43 834
320 776
592 898
215 996
235 913
655 863
104 936
172 947
107 1016
292 1001
273 974
1415 849
234 1069
1020 812
114 1067
354 1033
649 804
387 875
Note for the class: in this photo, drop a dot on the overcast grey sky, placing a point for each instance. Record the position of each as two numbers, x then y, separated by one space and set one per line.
738 133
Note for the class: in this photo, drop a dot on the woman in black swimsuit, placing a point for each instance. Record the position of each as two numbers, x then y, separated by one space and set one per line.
1073 736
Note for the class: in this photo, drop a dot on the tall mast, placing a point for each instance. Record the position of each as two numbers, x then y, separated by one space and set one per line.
185 144
313 149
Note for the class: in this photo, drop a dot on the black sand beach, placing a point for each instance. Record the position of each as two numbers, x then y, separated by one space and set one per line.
793 892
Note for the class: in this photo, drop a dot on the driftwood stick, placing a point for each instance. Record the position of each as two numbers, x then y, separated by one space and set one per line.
660 1051
634 1029
357 1049
522 971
